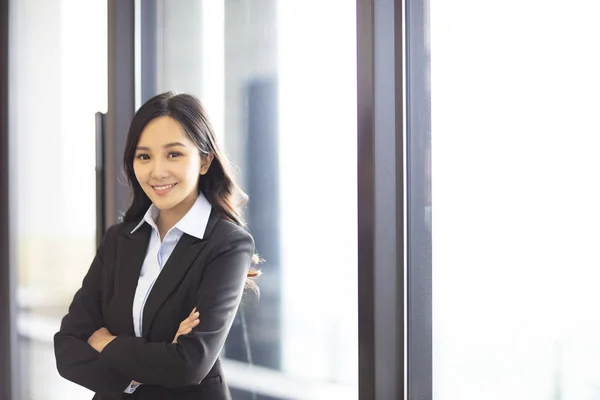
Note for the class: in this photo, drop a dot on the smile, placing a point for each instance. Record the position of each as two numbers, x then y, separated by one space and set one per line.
163 189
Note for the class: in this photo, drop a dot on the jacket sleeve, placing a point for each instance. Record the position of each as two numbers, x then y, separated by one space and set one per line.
76 360
188 361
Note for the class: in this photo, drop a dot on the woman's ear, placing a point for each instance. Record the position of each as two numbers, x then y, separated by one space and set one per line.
205 163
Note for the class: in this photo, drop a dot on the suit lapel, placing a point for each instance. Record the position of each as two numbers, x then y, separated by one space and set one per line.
185 253
131 254
180 261
132 250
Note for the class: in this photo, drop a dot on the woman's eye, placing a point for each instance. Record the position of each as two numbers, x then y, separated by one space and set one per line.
174 154
142 157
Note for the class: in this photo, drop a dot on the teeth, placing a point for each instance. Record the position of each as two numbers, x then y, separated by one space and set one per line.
163 187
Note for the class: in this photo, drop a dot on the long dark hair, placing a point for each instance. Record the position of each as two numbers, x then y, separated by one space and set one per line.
218 184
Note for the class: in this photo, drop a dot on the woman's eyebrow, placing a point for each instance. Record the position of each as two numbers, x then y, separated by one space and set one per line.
166 146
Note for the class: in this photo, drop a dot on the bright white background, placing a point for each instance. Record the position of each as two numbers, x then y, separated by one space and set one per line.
515 141
58 81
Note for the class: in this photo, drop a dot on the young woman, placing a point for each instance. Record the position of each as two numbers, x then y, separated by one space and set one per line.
159 298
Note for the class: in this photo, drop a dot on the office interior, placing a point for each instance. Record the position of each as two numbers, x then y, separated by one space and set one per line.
421 177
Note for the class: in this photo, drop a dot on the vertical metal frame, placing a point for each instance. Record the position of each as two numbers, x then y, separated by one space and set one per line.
381 217
7 290
121 105
418 144
149 22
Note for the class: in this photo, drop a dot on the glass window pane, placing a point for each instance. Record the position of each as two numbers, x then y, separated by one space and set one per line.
514 87
282 97
58 81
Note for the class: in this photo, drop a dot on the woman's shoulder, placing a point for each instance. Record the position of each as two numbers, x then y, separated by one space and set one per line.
114 231
227 231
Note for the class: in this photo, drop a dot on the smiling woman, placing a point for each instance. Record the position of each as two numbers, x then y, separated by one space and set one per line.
170 121
159 298
167 166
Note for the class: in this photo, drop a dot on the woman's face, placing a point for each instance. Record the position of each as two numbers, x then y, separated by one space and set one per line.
167 165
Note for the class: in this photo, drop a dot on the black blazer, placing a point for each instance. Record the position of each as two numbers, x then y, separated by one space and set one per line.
208 274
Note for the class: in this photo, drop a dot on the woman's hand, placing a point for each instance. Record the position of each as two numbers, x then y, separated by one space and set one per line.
188 324
100 339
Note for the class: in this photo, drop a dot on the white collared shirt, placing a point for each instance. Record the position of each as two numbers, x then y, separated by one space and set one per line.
193 223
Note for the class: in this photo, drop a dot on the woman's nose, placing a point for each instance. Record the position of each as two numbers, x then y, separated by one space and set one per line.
159 170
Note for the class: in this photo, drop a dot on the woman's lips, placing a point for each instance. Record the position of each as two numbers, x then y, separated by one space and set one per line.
163 189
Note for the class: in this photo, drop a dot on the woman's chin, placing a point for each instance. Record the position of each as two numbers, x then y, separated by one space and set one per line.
167 201
164 205
161 202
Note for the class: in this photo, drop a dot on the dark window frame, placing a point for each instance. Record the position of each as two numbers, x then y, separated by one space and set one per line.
419 240
121 106
381 193
394 200
8 360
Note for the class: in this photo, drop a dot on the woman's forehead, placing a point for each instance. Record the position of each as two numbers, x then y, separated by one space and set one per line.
161 131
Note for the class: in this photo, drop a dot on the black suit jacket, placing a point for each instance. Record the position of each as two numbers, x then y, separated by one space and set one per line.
208 274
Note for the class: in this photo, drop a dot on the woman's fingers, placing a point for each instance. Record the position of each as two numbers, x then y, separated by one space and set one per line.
183 332
189 328
188 324
193 316
185 325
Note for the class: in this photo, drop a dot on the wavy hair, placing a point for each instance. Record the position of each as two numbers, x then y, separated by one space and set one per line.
218 184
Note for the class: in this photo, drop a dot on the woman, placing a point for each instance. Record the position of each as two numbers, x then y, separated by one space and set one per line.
158 301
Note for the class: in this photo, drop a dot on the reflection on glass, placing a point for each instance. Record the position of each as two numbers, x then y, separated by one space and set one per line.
515 240
279 80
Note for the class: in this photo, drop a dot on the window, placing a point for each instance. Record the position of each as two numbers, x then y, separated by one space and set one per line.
279 82
514 168
58 80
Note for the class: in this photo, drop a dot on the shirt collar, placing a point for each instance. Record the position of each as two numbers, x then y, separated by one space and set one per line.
193 223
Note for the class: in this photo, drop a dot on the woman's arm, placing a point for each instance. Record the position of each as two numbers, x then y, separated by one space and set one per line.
189 360
76 360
